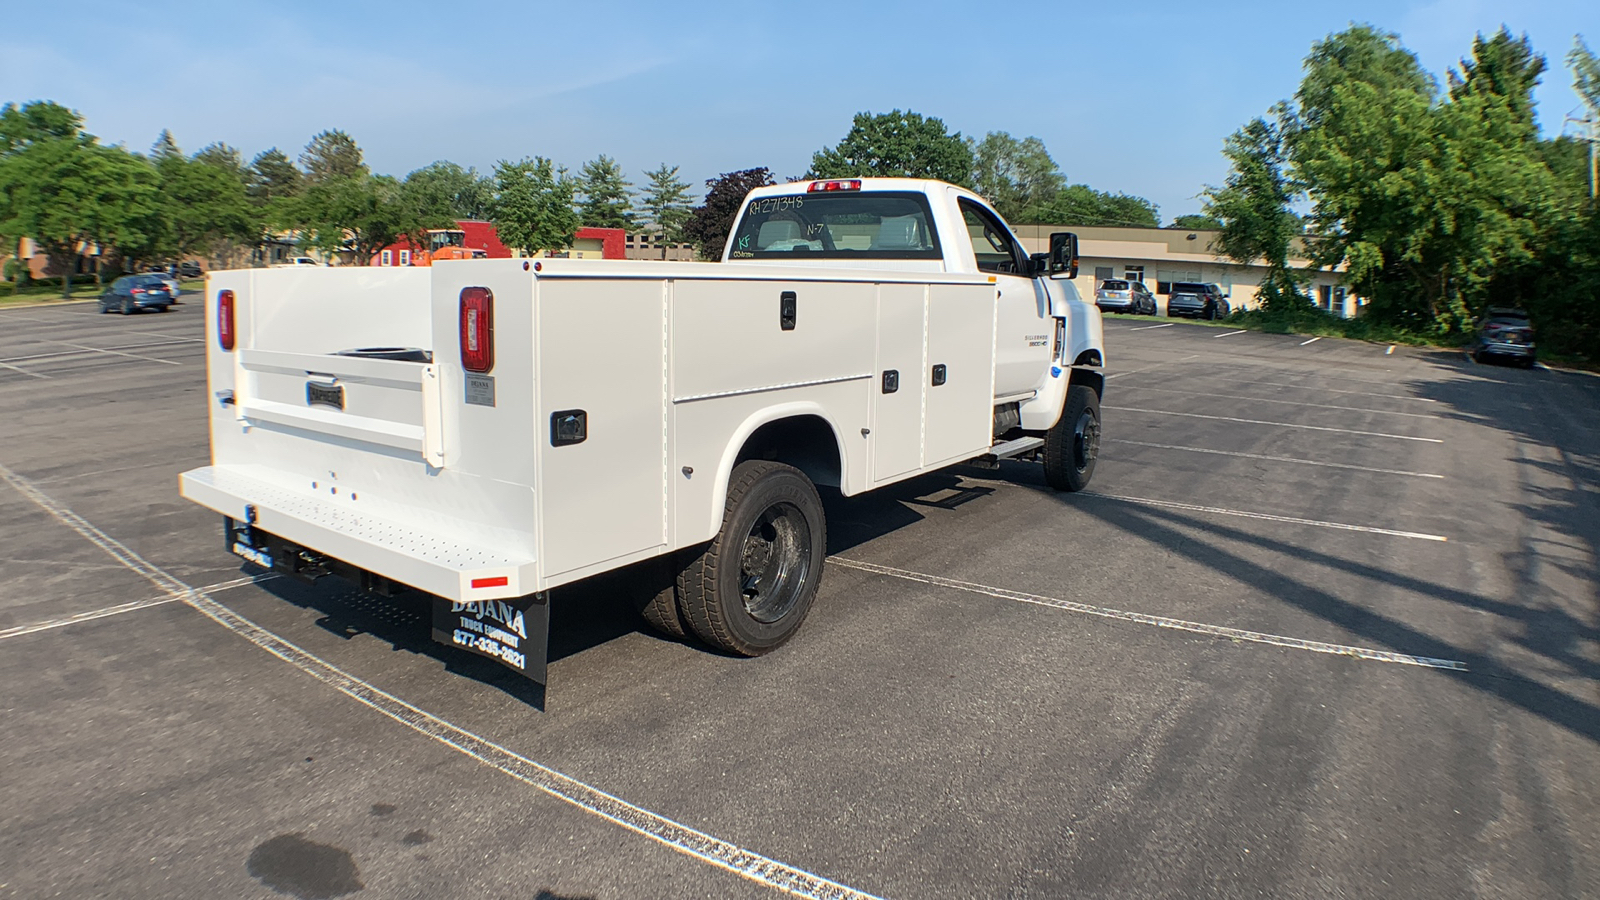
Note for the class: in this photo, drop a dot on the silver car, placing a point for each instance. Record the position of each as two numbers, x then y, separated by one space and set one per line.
1125 296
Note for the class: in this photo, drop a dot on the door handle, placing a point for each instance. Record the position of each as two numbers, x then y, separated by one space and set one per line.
786 310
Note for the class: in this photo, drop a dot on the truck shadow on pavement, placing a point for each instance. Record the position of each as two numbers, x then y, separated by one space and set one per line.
599 609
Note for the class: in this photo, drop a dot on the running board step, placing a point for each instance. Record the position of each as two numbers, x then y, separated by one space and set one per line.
1007 450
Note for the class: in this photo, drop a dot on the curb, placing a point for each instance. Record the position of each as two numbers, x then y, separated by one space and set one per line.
38 303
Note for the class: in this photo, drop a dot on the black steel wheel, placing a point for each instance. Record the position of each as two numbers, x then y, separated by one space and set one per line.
748 590
1073 445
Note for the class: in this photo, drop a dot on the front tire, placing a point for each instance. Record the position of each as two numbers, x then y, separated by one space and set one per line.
748 590
127 307
1072 446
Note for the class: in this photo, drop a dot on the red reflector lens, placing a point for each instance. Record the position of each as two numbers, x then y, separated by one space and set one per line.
502 581
225 319
477 329
852 184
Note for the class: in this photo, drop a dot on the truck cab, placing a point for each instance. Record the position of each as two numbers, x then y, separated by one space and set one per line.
915 225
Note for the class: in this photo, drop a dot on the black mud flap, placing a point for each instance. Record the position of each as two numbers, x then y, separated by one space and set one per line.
514 632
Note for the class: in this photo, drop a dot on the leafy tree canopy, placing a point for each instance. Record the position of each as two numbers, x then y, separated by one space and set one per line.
532 207
443 185
1018 177
897 145
330 155
1079 204
709 224
607 196
664 203
36 121
1197 222
1253 208
273 177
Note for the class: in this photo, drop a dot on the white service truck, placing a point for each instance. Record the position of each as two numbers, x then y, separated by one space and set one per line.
487 430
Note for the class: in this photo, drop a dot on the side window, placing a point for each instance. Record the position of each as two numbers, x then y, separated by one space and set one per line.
996 249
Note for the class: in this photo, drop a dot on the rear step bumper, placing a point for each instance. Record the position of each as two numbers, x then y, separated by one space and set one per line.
426 559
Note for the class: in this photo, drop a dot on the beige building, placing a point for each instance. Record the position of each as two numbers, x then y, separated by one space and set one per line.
1160 256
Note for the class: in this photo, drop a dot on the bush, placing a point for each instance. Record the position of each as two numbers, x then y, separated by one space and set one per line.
7 289
1308 320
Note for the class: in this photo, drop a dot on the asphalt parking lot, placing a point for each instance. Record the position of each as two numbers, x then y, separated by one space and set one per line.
1326 626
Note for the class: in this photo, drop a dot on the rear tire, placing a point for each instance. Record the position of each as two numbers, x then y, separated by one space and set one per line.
660 609
1072 447
748 591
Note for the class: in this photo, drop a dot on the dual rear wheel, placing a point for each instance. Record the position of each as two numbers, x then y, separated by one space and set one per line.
750 588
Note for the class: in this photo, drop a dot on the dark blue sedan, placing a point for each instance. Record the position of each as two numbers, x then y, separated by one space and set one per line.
132 293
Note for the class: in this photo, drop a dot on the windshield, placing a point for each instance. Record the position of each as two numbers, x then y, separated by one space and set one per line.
837 225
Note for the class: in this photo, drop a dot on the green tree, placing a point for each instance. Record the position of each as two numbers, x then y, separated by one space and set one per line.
532 207
461 193
1197 222
1018 177
1423 201
1079 204
607 196
40 120
1586 81
709 224
222 156
1254 208
273 177
202 204
68 193
331 155
361 214
896 145
664 203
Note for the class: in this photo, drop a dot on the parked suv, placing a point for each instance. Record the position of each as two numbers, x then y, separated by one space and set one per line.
1197 300
1504 333
1121 295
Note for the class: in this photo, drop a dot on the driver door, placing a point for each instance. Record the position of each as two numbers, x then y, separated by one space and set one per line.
1023 328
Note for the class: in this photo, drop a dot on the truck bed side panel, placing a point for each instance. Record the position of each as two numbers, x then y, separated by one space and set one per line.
602 350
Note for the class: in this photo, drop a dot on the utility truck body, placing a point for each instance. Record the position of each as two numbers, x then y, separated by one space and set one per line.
487 430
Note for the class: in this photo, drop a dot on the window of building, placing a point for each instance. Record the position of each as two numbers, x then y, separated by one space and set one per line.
405 257
386 258
1133 273
1101 273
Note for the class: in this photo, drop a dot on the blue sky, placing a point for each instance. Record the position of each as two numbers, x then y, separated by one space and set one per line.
1132 97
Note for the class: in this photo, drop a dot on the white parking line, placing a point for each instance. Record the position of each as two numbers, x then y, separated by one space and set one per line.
1106 612
674 835
1148 327
116 352
121 608
1328 390
23 371
175 337
1156 366
82 350
1230 333
1269 517
1312 341
1283 459
1165 412
1380 412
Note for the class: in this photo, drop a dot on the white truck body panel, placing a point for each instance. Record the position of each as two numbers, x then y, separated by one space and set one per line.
418 479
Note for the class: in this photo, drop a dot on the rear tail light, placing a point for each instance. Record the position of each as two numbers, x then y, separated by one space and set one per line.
137 291
477 329
225 319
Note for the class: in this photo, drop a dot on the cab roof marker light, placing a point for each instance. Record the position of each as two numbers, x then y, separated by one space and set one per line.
850 184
